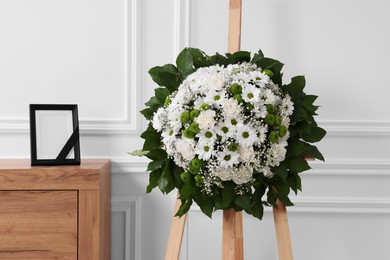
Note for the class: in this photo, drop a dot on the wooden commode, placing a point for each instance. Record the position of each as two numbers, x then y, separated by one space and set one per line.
55 212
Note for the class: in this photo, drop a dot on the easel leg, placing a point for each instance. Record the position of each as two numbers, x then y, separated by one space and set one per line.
282 232
175 234
232 237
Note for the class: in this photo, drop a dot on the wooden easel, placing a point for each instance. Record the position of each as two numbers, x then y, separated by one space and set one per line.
232 231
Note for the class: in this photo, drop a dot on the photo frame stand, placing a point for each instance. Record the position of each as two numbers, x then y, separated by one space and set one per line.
232 234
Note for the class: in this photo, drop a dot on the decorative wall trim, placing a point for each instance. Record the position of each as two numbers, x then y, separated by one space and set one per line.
182 26
130 207
332 205
130 123
356 128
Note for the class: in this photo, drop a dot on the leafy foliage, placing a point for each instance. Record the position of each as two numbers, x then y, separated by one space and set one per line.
166 175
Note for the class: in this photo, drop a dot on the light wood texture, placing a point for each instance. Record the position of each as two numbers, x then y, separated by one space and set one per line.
90 184
232 231
282 232
232 236
234 33
38 225
175 234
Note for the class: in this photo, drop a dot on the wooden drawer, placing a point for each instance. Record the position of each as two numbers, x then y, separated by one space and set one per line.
38 224
59 212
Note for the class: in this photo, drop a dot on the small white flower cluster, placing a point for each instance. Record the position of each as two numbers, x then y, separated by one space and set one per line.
226 124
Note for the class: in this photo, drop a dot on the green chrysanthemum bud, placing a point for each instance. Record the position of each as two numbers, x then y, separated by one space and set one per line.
185 177
233 121
185 117
194 127
232 147
274 137
197 163
198 179
194 113
188 133
193 170
225 129
236 89
238 97
208 134
282 130
227 157
269 73
270 108
205 106
269 119
278 120
167 101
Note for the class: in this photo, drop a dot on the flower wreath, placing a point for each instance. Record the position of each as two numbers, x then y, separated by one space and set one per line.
227 133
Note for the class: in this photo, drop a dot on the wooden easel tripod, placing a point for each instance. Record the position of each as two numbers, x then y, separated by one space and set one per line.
232 237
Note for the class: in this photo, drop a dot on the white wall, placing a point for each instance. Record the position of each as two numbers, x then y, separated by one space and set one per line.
96 53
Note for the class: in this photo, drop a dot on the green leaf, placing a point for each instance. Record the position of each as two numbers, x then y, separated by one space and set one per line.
166 183
313 151
185 63
281 170
153 141
139 153
206 204
295 182
199 58
295 88
317 133
166 76
184 208
157 154
188 190
286 201
271 197
161 94
243 201
258 210
153 101
228 194
295 147
155 165
239 56
257 56
154 177
147 113
298 164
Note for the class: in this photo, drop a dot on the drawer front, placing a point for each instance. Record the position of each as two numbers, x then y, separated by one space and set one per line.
38 224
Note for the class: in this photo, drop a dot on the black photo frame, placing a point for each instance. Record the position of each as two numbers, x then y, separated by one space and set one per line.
54 134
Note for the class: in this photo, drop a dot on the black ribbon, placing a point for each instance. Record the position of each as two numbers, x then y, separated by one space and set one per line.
69 145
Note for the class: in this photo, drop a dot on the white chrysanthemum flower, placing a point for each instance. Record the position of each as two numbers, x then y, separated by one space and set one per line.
168 136
183 96
205 150
246 154
242 175
206 119
287 106
173 117
231 108
246 136
215 97
185 147
267 96
250 93
267 172
215 82
225 130
262 134
276 154
260 110
159 119
227 158
225 174
259 78
241 78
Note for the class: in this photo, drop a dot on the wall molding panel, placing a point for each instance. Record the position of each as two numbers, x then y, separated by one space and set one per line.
129 205
131 122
